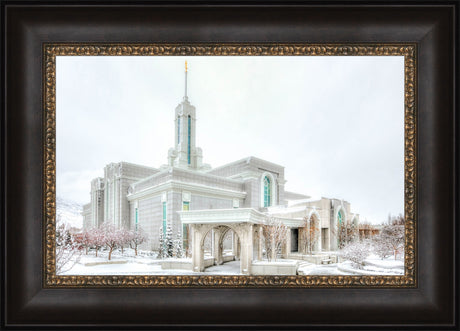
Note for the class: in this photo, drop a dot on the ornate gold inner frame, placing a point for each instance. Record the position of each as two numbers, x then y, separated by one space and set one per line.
50 51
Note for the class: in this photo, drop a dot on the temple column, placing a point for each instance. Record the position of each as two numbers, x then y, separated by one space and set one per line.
246 250
218 247
198 250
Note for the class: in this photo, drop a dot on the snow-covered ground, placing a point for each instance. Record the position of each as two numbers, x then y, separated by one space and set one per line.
69 212
130 266
320 269
373 266
147 264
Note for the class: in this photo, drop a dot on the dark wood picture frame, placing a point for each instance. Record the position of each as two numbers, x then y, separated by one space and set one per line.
27 26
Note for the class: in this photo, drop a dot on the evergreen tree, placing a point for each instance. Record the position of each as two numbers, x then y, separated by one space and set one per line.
178 251
162 246
169 242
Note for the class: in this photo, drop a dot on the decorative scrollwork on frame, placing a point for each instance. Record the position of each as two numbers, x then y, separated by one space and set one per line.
50 51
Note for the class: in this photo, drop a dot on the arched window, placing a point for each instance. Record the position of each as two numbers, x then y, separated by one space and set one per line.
339 218
341 231
267 192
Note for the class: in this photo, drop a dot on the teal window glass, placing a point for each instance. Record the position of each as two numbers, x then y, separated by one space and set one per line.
339 218
267 192
188 144
137 218
186 205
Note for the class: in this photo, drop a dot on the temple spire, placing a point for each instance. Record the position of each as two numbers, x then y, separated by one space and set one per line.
186 69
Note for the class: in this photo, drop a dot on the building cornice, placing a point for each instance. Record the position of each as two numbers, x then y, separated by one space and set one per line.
193 188
235 215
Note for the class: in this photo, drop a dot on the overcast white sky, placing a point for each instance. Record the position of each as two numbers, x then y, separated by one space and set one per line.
335 123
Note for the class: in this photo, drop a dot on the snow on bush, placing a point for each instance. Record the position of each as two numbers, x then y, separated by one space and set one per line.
381 247
356 252
390 240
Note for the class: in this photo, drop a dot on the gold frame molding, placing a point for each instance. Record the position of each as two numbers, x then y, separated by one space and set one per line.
50 51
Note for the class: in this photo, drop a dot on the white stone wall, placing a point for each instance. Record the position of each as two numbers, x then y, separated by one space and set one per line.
86 213
150 219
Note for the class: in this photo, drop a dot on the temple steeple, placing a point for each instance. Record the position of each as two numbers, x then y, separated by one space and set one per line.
186 69
185 154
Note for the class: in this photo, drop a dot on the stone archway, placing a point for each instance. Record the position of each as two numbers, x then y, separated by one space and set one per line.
214 239
244 232
243 222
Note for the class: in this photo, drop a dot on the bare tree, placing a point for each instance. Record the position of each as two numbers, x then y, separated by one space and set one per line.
381 247
275 234
392 234
346 233
113 237
137 237
309 234
68 251
98 238
85 239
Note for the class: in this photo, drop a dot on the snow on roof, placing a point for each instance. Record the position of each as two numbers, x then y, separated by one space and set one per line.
288 195
247 159
285 209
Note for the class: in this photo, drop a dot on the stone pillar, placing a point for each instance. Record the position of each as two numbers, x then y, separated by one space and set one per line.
217 247
287 247
260 238
212 244
236 250
246 250
197 250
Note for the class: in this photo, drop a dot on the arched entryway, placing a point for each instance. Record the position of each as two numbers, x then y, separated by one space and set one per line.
244 244
245 224
221 244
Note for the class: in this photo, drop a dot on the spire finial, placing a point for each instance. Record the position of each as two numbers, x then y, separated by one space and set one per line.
186 70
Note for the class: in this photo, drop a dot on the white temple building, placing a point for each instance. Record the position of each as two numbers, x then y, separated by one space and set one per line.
198 201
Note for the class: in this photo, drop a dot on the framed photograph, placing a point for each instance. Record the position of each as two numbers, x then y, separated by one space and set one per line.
188 218
293 161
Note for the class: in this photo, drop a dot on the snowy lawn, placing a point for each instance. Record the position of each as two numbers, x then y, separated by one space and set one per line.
321 270
373 266
135 268
146 263
143 264
388 266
